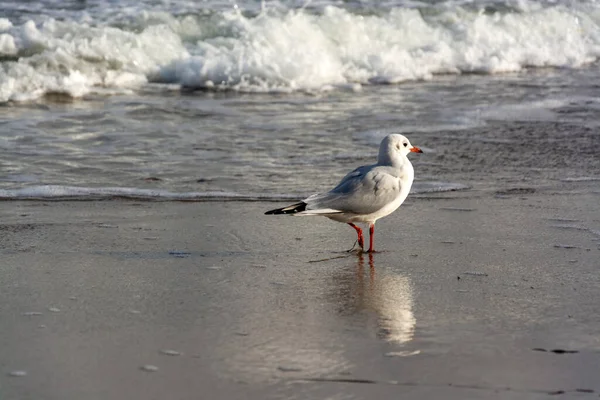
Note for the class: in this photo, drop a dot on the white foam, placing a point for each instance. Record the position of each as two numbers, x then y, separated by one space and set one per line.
7 45
75 58
5 24
282 50
301 51
59 192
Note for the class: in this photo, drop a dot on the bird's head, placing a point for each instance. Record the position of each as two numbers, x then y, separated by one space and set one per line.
395 144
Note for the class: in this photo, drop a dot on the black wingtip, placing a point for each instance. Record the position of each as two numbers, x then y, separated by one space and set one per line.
293 209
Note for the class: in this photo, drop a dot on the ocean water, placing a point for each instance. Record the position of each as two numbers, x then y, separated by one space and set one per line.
217 100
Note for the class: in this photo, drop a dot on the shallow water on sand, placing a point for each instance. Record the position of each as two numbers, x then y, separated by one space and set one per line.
535 129
187 100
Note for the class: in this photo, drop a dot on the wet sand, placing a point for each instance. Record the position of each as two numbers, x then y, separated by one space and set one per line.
476 295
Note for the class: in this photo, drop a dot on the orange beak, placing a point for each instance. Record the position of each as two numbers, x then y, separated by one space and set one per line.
416 150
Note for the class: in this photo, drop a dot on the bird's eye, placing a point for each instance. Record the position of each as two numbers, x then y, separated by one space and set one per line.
405 144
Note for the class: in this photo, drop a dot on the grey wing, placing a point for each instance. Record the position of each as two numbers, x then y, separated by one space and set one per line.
363 191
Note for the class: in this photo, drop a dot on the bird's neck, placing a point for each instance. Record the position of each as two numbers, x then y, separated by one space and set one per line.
397 161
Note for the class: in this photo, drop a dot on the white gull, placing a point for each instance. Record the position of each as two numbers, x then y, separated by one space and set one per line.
366 194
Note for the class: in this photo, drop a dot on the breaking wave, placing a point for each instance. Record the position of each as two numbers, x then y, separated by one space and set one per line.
286 50
59 192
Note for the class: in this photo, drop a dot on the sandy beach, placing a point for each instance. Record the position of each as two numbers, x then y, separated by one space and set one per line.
142 142
478 295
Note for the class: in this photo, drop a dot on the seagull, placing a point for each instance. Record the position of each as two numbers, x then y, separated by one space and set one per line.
366 194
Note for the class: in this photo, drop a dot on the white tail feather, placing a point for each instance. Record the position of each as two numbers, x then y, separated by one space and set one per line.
322 211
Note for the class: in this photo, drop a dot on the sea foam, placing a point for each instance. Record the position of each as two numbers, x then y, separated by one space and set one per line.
76 59
62 192
289 49
296 50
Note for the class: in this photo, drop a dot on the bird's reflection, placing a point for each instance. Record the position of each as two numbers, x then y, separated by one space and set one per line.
301 335
388 294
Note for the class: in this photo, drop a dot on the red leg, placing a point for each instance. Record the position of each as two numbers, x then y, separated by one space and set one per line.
361 240
371 237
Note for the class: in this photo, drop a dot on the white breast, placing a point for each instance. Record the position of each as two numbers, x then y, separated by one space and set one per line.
405 182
